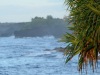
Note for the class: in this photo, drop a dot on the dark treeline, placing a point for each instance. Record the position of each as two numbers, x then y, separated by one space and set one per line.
38 26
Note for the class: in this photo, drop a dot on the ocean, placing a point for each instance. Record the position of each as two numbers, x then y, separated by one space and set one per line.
35 56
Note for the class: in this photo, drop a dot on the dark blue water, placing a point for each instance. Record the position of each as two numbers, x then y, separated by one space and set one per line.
35 56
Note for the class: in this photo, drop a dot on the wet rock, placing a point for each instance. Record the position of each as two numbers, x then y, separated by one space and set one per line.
60 49
99 57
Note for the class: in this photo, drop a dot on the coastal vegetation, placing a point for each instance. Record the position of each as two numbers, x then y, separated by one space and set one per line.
37 27
85 39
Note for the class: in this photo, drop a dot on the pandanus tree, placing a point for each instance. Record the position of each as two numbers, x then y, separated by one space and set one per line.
84 41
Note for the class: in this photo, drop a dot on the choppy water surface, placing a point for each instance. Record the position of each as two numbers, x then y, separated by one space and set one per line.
34 56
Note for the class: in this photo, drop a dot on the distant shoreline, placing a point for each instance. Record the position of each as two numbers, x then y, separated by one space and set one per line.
37 27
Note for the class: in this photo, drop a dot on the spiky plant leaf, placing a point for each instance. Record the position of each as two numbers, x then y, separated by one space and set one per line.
85 39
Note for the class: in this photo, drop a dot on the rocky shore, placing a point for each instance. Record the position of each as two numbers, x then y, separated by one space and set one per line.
60 49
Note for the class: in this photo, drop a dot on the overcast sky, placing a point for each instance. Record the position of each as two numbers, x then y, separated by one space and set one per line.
24 10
